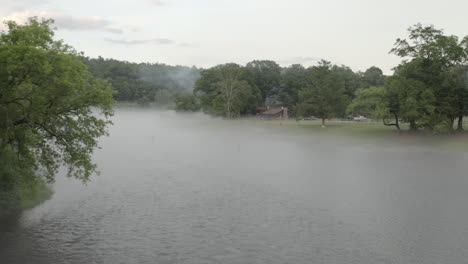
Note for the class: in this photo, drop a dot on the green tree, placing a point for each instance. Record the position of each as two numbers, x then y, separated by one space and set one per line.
433 58
293 80
227 90
185 101
325 96
367 101
352 81
52 110
458 80
417 100
267 77
375 102
373 77
143 82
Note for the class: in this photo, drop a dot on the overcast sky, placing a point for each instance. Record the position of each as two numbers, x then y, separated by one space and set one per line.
356 33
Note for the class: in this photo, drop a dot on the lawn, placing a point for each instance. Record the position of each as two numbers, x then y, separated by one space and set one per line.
370 132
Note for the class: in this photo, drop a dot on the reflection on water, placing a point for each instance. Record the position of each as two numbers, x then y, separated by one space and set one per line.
188 189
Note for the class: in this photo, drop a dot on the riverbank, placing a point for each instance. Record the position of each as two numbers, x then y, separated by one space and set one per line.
368 132
24 197
20 189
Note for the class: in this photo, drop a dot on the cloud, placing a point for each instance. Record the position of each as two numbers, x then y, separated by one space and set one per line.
21 5
188 45
134 27
67 22
86 23
157 2
155 41
299 60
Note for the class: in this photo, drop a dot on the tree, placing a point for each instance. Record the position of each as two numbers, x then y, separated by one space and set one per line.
413 98
143 82
433 60
325 96
459 81
373 77
227 90
267 77
293 80
352 81
52 109
185 101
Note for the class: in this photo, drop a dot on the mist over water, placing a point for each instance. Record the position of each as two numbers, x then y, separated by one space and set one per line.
180 188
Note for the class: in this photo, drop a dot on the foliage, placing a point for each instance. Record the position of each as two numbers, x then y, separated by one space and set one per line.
437 66
428 90
19 187
293 80
227 90
49 102
373 77
267 77
325 95
185 101
369 102
351 80
429 43
143 82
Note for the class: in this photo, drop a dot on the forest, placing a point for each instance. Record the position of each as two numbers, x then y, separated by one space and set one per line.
143 82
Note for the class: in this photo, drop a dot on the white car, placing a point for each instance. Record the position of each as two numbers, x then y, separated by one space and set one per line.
360 118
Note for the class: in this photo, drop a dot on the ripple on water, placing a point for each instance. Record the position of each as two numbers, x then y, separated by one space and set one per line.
174 190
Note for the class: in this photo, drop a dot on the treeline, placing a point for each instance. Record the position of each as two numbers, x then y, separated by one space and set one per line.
233 90
143 82
428 90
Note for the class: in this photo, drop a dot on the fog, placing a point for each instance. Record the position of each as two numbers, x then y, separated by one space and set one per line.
187 188
175 78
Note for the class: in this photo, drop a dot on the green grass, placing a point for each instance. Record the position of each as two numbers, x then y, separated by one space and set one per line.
370 132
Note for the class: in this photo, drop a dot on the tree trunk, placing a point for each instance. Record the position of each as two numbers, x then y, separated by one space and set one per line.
323 122
451 122
413 126
460 123
396 124
228 109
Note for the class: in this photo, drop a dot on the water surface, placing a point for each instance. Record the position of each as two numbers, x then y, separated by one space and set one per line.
190 189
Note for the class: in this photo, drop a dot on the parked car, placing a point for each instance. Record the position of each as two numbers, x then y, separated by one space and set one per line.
310 118
360 118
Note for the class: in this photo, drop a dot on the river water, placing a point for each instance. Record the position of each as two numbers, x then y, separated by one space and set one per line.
189 189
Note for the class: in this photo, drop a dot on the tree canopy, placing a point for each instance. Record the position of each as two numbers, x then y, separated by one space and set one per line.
228 90
324 96
267 77
52 109
143 82
429 88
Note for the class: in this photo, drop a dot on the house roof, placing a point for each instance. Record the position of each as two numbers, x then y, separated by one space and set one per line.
272 111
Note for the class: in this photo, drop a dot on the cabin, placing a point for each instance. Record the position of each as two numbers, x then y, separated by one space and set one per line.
273 113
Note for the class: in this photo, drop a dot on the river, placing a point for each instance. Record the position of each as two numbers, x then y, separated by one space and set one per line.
190 189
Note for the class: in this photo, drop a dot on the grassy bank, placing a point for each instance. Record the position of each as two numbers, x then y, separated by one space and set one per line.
369 132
